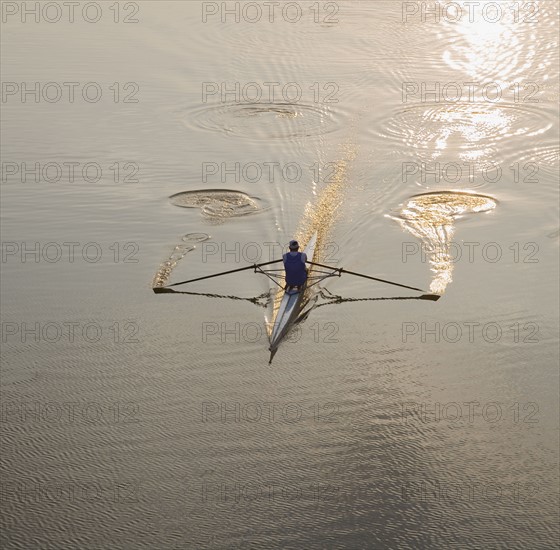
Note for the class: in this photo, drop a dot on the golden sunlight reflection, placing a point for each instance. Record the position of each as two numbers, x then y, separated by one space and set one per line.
430 217
489 49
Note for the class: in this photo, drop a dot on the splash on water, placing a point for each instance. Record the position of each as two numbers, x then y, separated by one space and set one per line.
187 245
431 217
218 205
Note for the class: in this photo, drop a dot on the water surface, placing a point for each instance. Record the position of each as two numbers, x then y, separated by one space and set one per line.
383 422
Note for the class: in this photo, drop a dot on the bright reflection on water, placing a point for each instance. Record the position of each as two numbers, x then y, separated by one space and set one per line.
487 48
473 124
431 218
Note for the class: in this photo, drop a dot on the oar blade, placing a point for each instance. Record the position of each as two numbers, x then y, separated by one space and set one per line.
162 290
433 297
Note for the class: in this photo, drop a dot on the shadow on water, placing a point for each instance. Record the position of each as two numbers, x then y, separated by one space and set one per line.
262 300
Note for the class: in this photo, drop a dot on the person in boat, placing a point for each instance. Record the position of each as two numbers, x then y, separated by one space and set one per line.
294 265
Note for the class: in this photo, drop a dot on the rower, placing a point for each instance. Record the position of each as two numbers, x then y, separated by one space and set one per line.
294 265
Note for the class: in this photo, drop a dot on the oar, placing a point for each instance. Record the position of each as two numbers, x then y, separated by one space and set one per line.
254 266
341 270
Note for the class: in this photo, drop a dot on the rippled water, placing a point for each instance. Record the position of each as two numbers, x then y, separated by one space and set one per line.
135 419
265 121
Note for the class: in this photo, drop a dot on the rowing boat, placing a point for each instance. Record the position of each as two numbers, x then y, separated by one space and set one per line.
291 305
